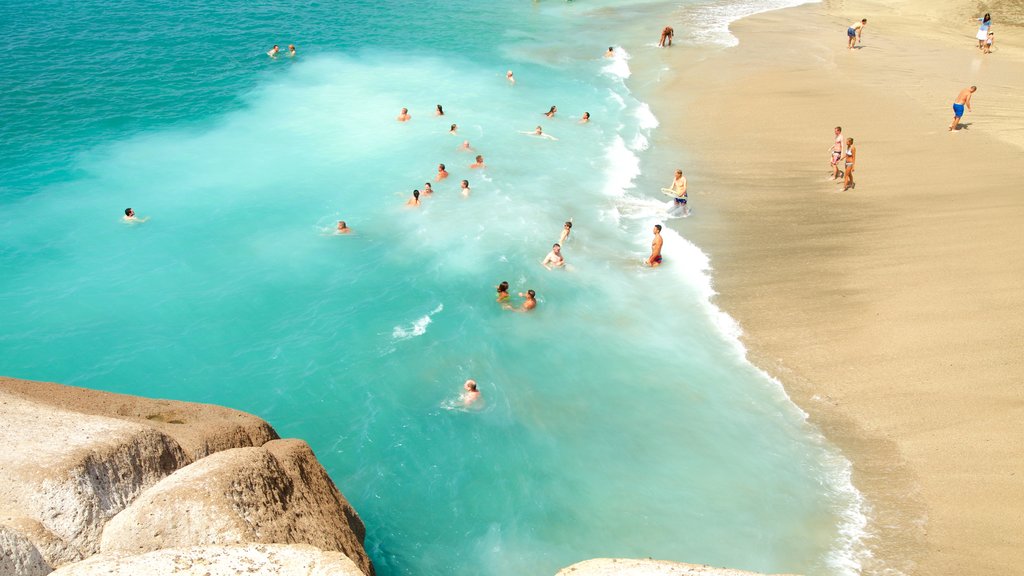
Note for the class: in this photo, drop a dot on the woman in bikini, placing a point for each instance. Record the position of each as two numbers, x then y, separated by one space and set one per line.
851 163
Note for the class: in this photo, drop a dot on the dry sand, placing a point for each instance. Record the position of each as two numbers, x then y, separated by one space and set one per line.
893 313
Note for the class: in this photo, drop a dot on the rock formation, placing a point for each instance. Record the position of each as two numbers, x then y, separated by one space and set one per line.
182 475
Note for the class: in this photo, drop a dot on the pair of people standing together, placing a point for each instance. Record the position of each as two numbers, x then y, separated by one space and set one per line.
843 153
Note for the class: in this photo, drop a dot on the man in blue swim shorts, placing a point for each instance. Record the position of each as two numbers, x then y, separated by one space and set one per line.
962 99
853 33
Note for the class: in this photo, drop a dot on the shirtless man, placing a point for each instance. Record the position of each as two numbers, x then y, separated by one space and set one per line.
465 188
273 51
666 36
404 115
554 258
131 218
678 189
441 173
610 53
479 162
585 118
655 259
427 189
539 132
962 99
343 228
470 395
415 200
529 304
854 32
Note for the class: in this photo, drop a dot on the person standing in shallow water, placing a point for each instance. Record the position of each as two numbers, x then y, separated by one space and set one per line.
655 258
666 36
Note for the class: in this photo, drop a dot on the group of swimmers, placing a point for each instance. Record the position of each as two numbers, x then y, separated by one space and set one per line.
273 52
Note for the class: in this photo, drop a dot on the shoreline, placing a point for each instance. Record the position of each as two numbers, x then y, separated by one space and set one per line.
808 273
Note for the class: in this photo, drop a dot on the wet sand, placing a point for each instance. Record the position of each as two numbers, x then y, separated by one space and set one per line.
894 312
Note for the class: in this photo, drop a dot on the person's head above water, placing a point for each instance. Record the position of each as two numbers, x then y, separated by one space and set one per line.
531 294
129 212
440 110
568 224
465 183
453 128
503 287
470 385
416 194
556 246
440 167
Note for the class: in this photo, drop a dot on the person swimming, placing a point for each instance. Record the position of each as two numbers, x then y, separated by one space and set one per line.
551 112
439 111
539 132
610 53
130 217
404 116
585 118
465 147
503 294
465 188
415 200
441 173
566 229
427 189
470 394
529 304
511 79
479 162
554 258
291 51
454 129
273 51
342 228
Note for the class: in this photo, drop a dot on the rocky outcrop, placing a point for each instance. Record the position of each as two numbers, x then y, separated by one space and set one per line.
274 493
634 567
244 560
75 460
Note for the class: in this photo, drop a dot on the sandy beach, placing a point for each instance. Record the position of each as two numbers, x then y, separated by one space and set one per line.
892 312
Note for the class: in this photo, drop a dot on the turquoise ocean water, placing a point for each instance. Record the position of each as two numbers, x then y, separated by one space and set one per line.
620 418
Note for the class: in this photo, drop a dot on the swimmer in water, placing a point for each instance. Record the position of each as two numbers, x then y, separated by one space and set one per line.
427 189
342 228
565 232
479 162
404 116
503 294
471 394
511 79
415 200
465 147
131 218
610 53
454 129
465 188
273 51
551 112
291 51
529 304
554 258
539 132
441 173
439 111
585 118
655 259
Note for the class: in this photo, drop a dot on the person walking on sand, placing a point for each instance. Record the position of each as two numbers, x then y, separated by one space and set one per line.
983 29
666 36
837 153
853 33
962 99
655 258
850 164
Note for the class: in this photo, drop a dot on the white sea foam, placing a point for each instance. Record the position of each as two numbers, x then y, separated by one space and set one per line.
416 328
618 65
709 23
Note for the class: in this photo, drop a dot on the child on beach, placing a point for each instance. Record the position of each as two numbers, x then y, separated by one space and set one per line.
988 43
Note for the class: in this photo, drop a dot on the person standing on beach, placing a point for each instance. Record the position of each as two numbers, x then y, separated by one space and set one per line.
854 32
851 163
962 99
655 258
666 36
986 23
837 153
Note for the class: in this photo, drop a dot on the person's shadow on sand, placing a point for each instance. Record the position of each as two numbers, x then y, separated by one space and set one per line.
963 125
